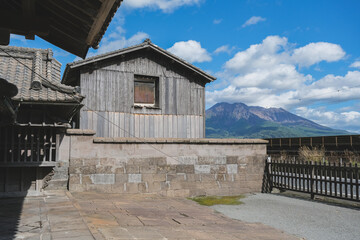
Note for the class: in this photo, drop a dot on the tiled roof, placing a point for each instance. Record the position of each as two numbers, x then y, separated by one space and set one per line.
36 74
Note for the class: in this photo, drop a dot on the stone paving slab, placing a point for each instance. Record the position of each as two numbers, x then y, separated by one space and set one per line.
83 216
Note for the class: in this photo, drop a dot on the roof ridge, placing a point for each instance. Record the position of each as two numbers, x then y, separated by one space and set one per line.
105 54
28 49
147 43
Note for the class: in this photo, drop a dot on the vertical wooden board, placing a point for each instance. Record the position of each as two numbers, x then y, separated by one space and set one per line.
126 125
106 124
155 126
165 126
178 100
116 132
175 126
108 91
186 96
201 127
202 103
141 126
193 127
191 110
174 97
188 126
109 122
180 126
132 124
84 120
100 125
121 125
184 128
151 126
147 126
170 124
198 125
102 90
165 103
137 125
161 126
89 120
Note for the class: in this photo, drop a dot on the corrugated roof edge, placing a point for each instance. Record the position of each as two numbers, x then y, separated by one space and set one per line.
146 43
107 22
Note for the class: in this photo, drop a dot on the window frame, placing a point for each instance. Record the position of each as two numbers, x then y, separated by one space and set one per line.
147 79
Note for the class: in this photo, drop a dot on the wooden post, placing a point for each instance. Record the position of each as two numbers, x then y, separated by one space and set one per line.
357 181
312 180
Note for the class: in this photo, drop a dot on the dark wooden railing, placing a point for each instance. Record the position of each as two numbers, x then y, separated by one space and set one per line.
28 146
330 180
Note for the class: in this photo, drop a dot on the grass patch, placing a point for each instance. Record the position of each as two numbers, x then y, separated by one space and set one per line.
214 200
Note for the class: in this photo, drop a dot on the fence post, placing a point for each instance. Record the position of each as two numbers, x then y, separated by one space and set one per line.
267 178
312 180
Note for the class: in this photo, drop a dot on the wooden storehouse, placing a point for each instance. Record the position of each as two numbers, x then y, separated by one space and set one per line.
34 116
140 91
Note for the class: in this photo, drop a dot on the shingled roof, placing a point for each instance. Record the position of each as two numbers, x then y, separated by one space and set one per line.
147 44
37 76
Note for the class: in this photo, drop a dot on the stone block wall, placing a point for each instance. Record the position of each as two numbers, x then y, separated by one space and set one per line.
172 167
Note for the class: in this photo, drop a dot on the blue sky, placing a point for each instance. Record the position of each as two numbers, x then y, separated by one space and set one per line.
301 55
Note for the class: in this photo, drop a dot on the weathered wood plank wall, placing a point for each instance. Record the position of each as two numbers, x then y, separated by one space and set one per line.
109 92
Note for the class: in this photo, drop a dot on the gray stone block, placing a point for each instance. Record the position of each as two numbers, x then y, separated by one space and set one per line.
148 169
134 178
166 169
212 160
187 160
157 161
121 178
132 169
217 169
232 168
104 169
232 159
76 162
185 168
202 169
103 178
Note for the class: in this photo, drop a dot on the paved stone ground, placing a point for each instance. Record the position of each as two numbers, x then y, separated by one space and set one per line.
311 219
115 216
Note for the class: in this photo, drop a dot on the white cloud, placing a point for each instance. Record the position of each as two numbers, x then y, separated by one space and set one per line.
18 38
164 5
269 74
116 40
253 20
271 67
355 64
335 119
317 52
217 21
224 49
191 51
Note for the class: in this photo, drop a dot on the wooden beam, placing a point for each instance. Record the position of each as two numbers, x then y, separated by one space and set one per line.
19 24
4 37
104 11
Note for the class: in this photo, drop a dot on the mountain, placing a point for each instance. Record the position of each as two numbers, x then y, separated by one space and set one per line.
237 120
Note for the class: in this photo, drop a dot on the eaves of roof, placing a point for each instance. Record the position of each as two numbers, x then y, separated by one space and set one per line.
146 44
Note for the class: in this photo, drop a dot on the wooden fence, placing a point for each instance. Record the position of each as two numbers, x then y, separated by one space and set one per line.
330 180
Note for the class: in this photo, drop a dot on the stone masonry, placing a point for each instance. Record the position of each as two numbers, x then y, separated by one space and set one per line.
171 167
